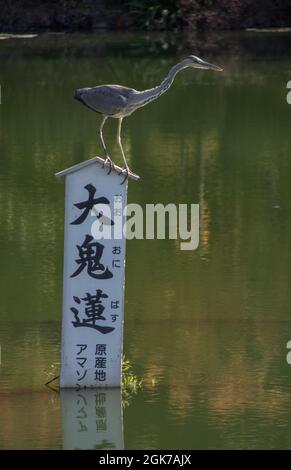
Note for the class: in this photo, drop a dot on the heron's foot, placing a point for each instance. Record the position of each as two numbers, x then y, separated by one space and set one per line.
125 172
111 164
105 160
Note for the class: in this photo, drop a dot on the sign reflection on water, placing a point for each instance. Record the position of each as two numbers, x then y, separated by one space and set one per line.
92 419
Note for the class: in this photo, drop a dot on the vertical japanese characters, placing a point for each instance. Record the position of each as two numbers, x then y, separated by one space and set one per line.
98 309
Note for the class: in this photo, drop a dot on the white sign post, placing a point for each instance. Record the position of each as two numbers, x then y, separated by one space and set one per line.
94 269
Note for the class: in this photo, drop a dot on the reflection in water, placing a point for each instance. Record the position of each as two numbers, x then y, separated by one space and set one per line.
223 384
92 419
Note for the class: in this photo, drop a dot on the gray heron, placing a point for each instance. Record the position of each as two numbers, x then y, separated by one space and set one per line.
117 101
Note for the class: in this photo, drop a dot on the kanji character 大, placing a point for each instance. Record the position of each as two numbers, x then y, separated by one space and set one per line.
89 204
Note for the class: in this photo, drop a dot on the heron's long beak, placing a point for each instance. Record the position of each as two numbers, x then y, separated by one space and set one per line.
209 66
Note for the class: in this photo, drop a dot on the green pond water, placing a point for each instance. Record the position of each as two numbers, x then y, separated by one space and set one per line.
205 330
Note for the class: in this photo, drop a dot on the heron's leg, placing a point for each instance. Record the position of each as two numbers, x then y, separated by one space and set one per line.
126 169
107 158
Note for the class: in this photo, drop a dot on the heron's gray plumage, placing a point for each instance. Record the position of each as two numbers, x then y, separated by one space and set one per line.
118 101
109 100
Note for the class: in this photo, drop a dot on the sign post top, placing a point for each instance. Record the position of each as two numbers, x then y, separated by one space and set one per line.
93 161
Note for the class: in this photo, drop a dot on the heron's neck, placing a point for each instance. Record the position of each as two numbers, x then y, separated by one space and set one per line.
145 97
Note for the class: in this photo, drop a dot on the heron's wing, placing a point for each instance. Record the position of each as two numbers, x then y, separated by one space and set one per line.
107 99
